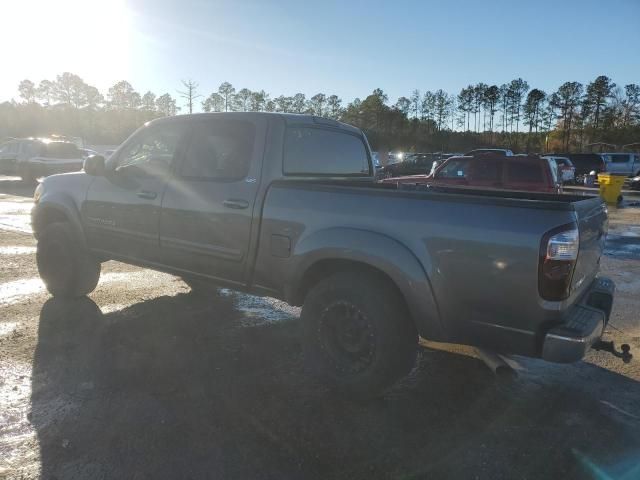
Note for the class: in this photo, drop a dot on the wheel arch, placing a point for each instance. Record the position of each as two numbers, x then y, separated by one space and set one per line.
56 210
345 249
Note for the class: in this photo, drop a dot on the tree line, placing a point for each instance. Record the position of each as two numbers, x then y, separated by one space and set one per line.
511 115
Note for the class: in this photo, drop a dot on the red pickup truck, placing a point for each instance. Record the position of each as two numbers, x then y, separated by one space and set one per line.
528 173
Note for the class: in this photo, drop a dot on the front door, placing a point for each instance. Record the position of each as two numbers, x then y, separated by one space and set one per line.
121 214
208 205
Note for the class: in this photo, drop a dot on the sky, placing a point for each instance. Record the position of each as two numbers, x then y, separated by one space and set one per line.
347 47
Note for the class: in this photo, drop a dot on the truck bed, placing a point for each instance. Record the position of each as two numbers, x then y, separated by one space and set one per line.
478 248
550 201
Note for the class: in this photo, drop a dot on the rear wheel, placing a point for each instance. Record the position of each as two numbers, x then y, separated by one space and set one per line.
65 267
357 334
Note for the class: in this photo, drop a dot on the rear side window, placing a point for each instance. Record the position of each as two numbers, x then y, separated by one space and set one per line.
219 150
527 172
319 151
61 150
489 170
619 158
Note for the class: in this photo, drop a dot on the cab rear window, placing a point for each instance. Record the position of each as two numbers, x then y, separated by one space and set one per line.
321 151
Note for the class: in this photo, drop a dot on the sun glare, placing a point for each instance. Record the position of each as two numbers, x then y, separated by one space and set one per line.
87 37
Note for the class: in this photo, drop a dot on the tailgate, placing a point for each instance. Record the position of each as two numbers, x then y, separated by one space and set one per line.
592 226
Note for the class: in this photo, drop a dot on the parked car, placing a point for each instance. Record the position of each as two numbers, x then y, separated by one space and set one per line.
31 158
497 151
567 172
584 163
14 152
622 163
52 158
527 173
634 183
286 206
411 164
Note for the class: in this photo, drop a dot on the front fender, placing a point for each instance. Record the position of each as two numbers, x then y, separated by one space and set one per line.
382 253
57 206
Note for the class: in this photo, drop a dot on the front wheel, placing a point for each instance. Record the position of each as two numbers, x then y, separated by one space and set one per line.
65 267
357 334
26 175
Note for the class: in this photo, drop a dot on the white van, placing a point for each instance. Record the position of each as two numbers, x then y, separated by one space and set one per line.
622 163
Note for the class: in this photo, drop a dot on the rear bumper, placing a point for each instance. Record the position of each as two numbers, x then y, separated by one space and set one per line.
583 325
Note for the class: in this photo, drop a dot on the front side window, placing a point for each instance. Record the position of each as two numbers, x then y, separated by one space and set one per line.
320 151
454 169
152 149
219 150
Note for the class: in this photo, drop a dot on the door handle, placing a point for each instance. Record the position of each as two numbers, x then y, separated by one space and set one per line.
147 194
235 203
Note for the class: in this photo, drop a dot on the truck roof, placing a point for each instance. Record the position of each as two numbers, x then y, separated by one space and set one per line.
289 118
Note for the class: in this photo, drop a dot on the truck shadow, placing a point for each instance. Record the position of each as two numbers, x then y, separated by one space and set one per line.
174 387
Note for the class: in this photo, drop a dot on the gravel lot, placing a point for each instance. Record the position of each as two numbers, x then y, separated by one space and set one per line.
145 380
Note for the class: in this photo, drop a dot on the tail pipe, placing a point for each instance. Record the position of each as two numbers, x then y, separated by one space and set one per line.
496 363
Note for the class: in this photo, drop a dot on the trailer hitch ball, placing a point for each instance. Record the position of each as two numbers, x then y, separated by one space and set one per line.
624 353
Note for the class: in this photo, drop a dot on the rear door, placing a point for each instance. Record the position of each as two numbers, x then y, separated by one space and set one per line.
208 206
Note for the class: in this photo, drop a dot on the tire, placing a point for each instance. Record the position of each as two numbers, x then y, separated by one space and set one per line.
65 267
26 175
357 335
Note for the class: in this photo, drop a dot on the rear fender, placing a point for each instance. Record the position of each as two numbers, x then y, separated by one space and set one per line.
377 251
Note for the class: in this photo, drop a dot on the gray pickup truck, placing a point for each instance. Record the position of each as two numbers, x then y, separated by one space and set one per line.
286 206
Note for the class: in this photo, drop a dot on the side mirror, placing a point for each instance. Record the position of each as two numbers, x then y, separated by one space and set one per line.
95 165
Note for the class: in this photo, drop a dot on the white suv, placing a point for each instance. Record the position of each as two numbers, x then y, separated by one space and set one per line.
622 163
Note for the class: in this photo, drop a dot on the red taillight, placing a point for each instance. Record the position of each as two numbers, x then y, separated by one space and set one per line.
558 255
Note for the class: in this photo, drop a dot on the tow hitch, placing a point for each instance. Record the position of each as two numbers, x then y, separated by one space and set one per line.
624 353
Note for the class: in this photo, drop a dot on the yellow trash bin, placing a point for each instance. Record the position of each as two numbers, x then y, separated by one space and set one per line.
610 187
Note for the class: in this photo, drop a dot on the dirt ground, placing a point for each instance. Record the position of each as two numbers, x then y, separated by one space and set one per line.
145 380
